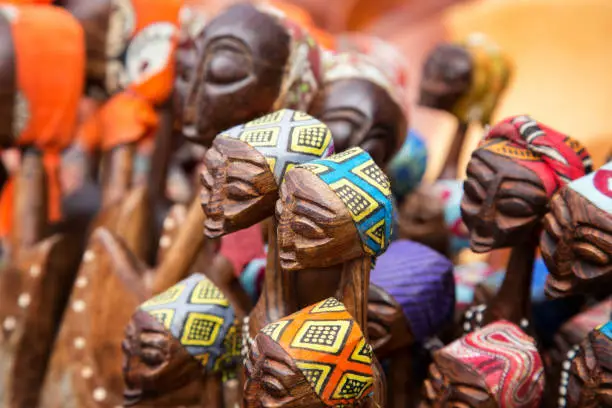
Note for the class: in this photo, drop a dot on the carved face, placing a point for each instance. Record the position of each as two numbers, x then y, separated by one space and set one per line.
451 384
388 329
273 379
447 76
315 228
503 202
421 219
238 187
155 363
186 60
576 245
8 81
590 375
361 113
239 73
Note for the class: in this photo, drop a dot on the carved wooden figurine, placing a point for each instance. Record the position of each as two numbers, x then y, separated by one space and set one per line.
363 105
497 366
335 217
587 372
411 298
254 62
177 346
512 175
577 240
39 96
317 357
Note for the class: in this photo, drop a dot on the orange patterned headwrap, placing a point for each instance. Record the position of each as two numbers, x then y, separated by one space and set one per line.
50 78
330 349
140 69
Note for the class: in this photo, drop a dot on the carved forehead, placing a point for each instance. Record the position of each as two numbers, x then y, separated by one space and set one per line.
200 317
502 156
285 138
329 348
596 188
450 56
365 191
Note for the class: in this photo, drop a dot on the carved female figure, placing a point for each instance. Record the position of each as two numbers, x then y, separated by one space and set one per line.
512 175
363 105
178 344
316 357
411 298
576 243
497 366
253 62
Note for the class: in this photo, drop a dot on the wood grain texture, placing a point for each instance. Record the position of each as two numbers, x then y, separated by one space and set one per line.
8 83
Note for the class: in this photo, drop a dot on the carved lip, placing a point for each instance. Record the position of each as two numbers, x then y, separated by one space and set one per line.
481 245
131 397
288 260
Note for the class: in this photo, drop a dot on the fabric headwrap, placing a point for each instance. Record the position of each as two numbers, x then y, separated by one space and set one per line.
365 190
140 73
50 79
200 317
490 76
407 168
242 247
505 358
596 187
285 138
421 280
330 349
606 329
303 72
556 158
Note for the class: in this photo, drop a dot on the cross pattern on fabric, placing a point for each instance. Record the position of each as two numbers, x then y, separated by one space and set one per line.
506 359
596 187
285 138
364 189
197 314
330 350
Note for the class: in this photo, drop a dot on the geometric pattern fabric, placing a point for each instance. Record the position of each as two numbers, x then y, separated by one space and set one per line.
201 318
329 348
365 190
285 138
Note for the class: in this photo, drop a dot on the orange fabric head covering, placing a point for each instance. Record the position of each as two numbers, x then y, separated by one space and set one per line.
147 75
50 67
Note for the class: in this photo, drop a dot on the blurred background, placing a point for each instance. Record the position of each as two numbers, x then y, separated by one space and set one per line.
562 52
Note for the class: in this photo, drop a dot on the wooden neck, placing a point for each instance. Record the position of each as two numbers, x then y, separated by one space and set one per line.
512 301
449 169
117 173
354 286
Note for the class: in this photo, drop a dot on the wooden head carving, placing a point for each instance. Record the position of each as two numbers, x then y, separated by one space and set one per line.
466 79
317 357
577 234
497 366
421 281
245 165
130 44
252 62
587 372
176 338
333 210
511 177
363 106
8 79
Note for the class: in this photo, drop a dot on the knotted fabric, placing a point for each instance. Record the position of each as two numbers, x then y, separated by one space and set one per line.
556 158
50 78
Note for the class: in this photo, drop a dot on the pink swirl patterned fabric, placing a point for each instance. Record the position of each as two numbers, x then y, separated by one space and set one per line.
506 359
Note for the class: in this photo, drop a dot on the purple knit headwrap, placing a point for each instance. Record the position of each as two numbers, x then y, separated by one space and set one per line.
421 281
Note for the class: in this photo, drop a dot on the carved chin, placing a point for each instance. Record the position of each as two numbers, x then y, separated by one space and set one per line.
131 396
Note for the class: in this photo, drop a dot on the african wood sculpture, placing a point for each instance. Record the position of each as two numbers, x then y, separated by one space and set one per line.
587 372
497 366
467 80
178 345
254 62
411 298
512 175
37 268
577 240
317 357
363 105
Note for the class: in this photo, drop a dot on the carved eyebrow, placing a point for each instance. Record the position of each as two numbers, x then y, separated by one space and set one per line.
483 170
238 169
535 194
309 207
602 238
279 369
